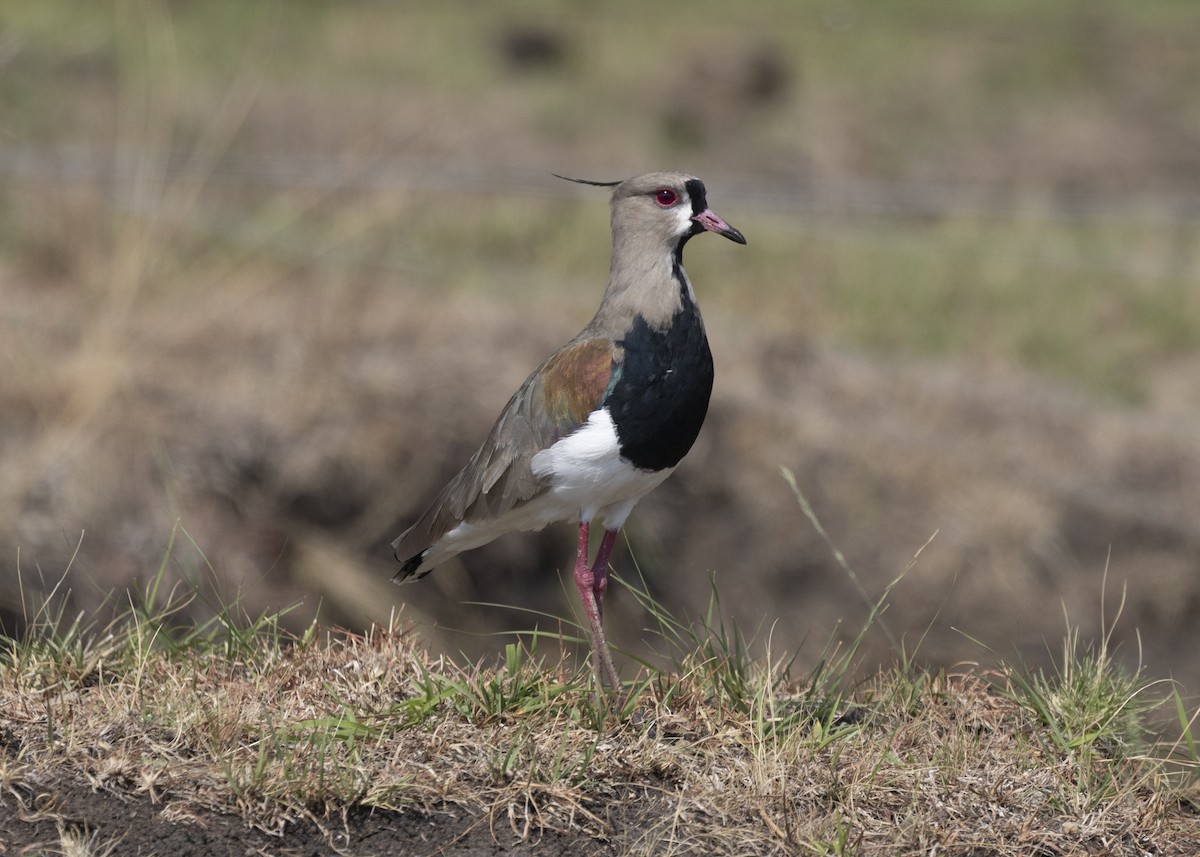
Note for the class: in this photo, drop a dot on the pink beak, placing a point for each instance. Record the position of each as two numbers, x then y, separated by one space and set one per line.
709 220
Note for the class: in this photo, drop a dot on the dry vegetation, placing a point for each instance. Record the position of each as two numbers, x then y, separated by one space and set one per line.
267 271
719 753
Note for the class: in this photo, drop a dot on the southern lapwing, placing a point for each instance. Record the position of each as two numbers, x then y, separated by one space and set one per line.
607 417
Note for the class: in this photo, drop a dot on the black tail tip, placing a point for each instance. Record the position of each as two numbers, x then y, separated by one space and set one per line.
408 567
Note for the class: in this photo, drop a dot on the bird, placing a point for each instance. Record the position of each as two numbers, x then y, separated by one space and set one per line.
603 420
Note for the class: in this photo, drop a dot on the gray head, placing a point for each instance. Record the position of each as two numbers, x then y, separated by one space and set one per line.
665 207
653 216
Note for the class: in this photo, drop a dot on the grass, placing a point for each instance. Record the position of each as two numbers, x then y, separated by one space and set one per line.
729 752
1037 105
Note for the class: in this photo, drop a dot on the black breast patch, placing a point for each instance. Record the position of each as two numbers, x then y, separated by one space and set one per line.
660 397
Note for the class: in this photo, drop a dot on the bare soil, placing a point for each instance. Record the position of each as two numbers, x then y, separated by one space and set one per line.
137 825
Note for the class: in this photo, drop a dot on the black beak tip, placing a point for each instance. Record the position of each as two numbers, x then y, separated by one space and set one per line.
735 236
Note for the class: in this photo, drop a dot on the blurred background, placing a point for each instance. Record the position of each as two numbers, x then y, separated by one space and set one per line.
269 270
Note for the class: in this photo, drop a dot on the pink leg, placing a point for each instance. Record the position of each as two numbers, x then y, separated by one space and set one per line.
600 568
589 587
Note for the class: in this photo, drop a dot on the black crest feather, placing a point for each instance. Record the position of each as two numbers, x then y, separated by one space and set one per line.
585 181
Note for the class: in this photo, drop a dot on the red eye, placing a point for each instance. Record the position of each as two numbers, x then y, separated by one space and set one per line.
665 197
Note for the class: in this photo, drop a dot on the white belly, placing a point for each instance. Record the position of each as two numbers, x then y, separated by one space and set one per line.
587 475
587 478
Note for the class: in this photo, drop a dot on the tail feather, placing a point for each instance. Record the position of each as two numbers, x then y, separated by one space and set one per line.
409 562
408 567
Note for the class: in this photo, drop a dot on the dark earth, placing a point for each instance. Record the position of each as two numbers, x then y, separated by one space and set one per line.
136 825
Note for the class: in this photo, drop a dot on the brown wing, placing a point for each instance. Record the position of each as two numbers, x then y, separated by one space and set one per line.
554 401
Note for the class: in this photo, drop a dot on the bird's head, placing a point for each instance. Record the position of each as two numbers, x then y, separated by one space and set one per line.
666 206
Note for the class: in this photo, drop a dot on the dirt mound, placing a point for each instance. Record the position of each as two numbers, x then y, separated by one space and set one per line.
292 453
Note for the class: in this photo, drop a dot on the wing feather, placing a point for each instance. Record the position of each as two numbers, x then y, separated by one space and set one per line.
553 402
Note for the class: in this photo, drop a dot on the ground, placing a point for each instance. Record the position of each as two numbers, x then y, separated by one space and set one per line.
139 827
269 273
